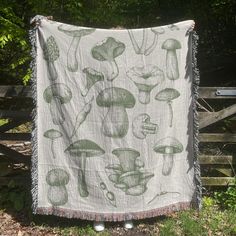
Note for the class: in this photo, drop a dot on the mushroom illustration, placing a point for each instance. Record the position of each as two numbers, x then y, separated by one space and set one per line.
168 95
92 77
107 51
168 146
116 122
172 68
82 149
52 134
72 61
157 32
56 95
57 179
127 157
142 126
138 49
51 54
145 78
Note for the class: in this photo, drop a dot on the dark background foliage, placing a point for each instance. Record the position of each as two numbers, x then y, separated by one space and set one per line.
215 24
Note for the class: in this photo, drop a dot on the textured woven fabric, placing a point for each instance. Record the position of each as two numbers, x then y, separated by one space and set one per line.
114 135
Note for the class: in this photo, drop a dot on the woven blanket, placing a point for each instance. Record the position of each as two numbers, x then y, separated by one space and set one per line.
115 134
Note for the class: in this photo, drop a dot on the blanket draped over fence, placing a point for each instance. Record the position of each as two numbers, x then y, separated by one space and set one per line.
115 134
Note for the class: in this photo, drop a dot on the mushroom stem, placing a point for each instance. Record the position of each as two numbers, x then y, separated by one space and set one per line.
115 70
167 161
82 185
149 128
144 96
52 149
171 113
133 41
172 68
56 111
72 62
52 72
152 46
144 42
116 122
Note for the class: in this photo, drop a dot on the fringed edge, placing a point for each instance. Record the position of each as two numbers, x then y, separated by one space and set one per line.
93 216
196 82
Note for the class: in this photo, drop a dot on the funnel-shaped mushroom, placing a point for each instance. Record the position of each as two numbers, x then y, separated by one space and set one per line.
172 67
116 122
107 51
168 146
56 95
57 193
82 149
127 157
52 134
92 77
145 78
72 61
157 32
51 54
142 126
168 95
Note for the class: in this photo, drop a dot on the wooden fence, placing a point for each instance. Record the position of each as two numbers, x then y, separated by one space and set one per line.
221 165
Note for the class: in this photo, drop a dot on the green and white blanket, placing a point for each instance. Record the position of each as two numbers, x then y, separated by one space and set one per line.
115 134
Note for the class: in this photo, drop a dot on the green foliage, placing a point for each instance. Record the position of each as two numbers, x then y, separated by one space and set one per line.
168 228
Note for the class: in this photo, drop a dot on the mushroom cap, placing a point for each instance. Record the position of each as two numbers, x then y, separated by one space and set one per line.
58 90
115 97
108 49
130 178
158 30
167 94
52 134
129 151
146 77
76 33
84 147
92 76
50 49
168 142
171 44
57 177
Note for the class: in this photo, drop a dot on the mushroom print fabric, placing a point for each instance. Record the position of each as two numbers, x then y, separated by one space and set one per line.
115 125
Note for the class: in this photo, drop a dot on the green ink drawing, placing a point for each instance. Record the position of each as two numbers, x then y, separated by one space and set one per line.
116 99
172 67
92 77
168 95
82 115
168 146
173 27
161 194
142 126
128 176
143 50
72 61
51 54
145 78
56 95
82 149
57 179
52 134
107 51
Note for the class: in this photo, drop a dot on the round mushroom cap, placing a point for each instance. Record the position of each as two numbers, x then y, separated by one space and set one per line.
166 143
167 94
52 134
108 49
158 30
76 33
129 152
50 50
57 177
115 97
85 147
171 44
58 90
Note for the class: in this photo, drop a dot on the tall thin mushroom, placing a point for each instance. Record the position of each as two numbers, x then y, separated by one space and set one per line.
72 61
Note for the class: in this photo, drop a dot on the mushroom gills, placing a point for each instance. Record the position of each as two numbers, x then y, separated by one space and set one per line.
149 128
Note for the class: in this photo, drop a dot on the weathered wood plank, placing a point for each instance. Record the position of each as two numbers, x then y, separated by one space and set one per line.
217 181
210 92
12 124
10 114
217 160
217 116
14 156
225 171
15 136
217 137
15 91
